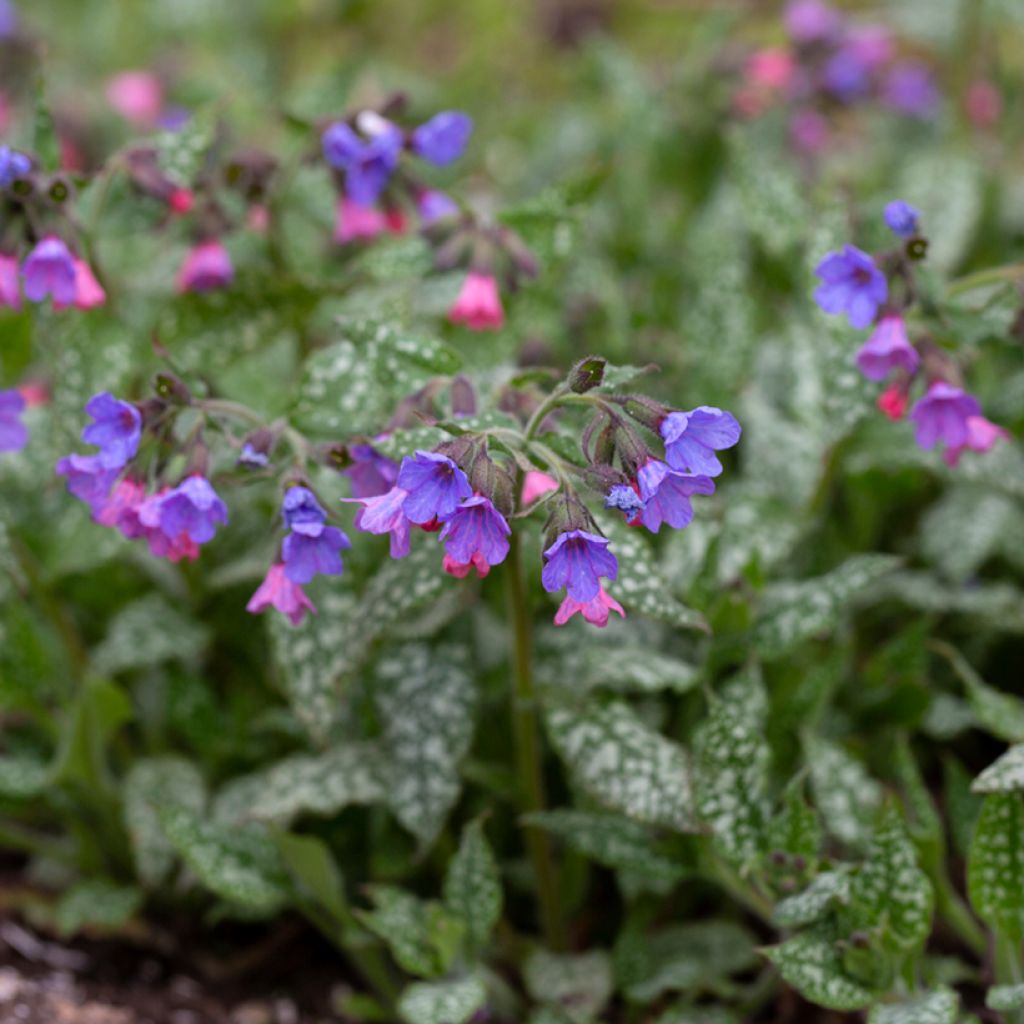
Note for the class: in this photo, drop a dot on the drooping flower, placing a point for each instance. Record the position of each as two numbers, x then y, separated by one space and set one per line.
368 163
852 285
443 138
625 499
478 304
435 487
901 218
13 433
138 96
87 478
161 544
941 414
121 508
300 510
192 508
116 429
311 549
595 611
460 570
692 438
434 206
666 495
89 292
206 267
49 269
477 530
280 592
577 560
887 349
910 89
384 513
893 401
10 287
370 472
982 435
536 484
356 221
13 165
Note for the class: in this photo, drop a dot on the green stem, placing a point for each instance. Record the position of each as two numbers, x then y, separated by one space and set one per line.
954 912
1009 968
760 906
991 275
541 412
528 750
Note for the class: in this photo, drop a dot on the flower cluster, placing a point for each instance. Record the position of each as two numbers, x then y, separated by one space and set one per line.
877 292
829 64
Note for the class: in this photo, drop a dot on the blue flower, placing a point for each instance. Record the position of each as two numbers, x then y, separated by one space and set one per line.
577 561
49 269
301 511
476 529
443 138
666 494
435 206
253 459
846 75
692 438
852 285
116 429
371 473
901 218
435 487
88 479
625 499
13 165
315 549
192 508
368 164
13 433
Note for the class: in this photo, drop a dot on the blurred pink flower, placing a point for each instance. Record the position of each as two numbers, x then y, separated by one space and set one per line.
138 96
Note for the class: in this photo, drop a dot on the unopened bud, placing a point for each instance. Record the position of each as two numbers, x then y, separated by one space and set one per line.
587 374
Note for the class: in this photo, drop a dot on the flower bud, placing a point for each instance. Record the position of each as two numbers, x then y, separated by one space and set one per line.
170 387
463 397
587 374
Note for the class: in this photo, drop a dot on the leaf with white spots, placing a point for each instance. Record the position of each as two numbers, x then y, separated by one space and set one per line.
811 963
624 764
472 885
995 863
426 699
889 890
1004 775
1002 714
152 784
939 1007
149 632
1005 997
96 904
23 777
793 612
442 1002
847 797
828 890
580 985
731 768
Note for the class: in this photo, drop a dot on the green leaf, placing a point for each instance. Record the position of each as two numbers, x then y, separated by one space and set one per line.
149 632
731 768
795 830
1004 775
684 958
1000 713
442 1002
182 152
152 784
23 776
829 889
624 764
847 797
1005 997
618 667
580 984
424 937
995 865
96 904
890 891
794 612
812 965
239 865
100 709
313 868
472 885
939 1007
426 699
615 842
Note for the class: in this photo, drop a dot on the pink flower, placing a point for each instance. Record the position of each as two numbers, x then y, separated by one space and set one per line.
809 131
89 292
984 103
137 96
893 401
35 393
5 114
595 611
277 591
460 570
356 221
535 484
121 508
207 267
887 349
771 68
982 435
258 219
479 304
180 200
10 289
160 545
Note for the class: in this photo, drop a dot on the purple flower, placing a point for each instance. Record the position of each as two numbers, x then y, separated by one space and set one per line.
852 285
435 206
941 414
383 513
8 19
443 138
368 164
49 269
313 549
88 479
13 165
625 499
666 495
435 487
301 511
810 20
692 438
116 430
10 287
887 349
910 89
13 433
577 561
476 529
901 218
251 458
371 473
846 76
192 508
